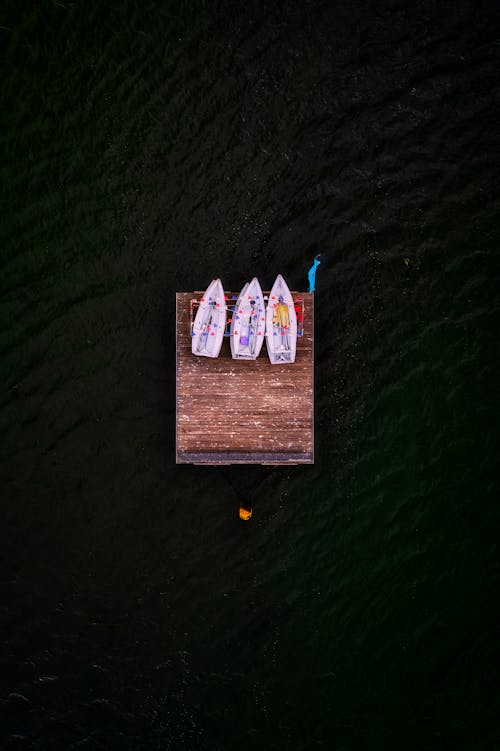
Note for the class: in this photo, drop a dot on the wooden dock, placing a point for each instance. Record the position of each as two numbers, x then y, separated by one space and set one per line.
243 412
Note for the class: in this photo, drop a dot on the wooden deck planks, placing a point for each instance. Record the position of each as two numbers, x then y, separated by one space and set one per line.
231 411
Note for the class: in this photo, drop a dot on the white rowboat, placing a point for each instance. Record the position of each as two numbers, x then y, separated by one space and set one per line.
248 324
281 324
210 322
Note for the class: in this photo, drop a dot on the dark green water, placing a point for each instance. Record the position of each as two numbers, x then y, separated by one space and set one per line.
146 148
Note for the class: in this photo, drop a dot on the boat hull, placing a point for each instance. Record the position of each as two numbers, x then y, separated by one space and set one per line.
281 324
210 322
248 324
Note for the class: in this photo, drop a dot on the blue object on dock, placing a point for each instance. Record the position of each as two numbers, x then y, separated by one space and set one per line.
311 274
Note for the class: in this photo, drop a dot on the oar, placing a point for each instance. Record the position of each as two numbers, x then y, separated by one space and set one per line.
253 319
282 341
278 350
249 329
205 329
245 341
287 338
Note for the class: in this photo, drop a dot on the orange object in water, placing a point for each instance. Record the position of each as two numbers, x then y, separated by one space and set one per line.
245 513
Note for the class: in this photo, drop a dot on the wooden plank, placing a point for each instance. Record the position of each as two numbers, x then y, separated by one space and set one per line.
233 411
245 458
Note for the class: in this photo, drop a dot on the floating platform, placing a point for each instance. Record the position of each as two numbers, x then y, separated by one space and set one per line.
243 412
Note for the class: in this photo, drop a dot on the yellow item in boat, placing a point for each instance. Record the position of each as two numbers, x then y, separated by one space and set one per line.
245 513
280 316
